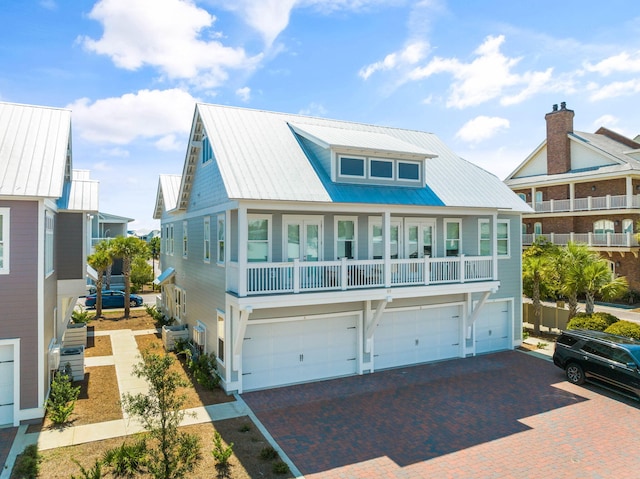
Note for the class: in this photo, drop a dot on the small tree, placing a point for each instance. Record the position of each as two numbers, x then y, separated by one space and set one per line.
101 260
221 453
127 249
572 261
62 398
599 280
141 273
154 248
160 413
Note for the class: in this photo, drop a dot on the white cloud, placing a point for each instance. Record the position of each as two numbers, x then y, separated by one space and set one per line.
169 143
314 109
116 152
482 128
608 121
165 34
411 54
615 89
49 4
490 75
145 114
623 62
244 93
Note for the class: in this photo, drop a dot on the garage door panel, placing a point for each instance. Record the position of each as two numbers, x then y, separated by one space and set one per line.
6 384
492 328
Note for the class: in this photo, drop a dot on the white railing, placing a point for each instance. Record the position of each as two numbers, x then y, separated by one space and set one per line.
298 276
591 203
617 240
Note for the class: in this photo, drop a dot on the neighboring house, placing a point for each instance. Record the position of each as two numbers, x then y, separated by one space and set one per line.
584 187
106 226
299 249
43 229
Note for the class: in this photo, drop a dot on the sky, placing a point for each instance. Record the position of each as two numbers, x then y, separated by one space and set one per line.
481 75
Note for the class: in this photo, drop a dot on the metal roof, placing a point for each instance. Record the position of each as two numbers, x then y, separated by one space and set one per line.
35 150
260 157
167 195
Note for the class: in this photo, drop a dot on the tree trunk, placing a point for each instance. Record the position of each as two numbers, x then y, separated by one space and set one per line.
99 294
573 305
537 307
589 302
126 271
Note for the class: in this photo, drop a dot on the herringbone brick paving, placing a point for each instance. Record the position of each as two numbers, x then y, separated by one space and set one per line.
501 415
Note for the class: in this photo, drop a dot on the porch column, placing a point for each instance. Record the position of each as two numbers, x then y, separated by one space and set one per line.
242 251
629 191
386 240
572 195
494 246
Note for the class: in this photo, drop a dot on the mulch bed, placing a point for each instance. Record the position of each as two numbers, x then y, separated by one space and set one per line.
110 321
98 346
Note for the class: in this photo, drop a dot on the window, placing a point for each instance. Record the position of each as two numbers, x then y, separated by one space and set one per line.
351 166
381 169
376 244
220 234
538 196
484 237
48 242
452 243
627 226
207 150
181 304
171 245
207 239
185 242
537 228
523 197
4 240
345 238
503 238
258 239
221 336
602 227
408 171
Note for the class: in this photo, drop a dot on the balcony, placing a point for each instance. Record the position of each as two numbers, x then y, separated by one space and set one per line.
591 203
606 240
300 277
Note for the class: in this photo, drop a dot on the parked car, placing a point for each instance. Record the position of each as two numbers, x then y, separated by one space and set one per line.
113 299
606 359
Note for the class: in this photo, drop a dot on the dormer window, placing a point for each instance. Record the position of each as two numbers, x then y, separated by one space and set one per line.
207 150
359 169
408 171
381 169
350 166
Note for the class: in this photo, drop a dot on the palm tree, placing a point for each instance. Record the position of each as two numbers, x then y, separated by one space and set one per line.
537 270
572 261
127 249
599 280
100 261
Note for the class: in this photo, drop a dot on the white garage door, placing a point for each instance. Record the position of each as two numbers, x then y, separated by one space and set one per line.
6 384
417 336
492 327
290 352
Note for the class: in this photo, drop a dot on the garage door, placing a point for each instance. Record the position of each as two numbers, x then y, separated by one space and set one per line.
6 384
492 327
417 336
290 352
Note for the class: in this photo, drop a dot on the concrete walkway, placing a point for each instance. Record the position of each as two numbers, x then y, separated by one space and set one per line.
125 356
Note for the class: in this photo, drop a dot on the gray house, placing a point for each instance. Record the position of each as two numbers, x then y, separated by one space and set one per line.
44 225
299 249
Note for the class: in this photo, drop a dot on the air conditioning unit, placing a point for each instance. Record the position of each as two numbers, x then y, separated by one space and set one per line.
200 336
54 357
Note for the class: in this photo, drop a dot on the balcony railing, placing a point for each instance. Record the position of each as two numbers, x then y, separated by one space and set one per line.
610 240
299 277
591 203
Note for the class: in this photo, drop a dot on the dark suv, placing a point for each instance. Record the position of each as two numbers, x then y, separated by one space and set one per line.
607 359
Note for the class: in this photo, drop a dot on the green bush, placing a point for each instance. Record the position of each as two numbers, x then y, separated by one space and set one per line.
268 453
625 328
204 370
28 463
220 452
588 322
158 316
126 460
80 316
94 473
62 398
280 467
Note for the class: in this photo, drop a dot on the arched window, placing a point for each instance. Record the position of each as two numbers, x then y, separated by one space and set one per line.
602 227
523 197
627 226
538 196
537 228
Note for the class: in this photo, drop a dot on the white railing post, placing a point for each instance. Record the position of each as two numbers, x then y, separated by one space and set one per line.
608 239
552 238
243 234
608 200
590 238
426 273
628 239
296 275
462 268
551 205
588 203
343 273
571 237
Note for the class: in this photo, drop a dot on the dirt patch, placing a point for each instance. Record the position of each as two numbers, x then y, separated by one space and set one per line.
98 346
245 462
112 320
98 401
196 394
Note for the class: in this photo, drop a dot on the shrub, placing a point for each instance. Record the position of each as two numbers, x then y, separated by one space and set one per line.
158 316
127 460
80 316
246 427
607 317
94 473
625 328
268 453
588 322
280 467
203 369
62 398
28 463
220 452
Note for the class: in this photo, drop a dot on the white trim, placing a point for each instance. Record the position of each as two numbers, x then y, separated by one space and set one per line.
512 339
377 221
420 165
221 218
354 219
185 239
255 217
206 239
446 238
482 221
49 242
382 160
420 223
16 378
302 220
5 213
508 223
352 157
40 300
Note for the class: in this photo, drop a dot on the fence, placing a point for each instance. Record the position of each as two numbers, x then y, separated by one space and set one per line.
554 319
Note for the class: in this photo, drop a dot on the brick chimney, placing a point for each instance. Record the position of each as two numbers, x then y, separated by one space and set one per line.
559 124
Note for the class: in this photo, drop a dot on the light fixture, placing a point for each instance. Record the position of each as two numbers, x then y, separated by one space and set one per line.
593 188
617 222
617 264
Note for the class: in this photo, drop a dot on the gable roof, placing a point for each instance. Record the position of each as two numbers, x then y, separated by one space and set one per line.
261 157
167 194
615 151
35 150
81 194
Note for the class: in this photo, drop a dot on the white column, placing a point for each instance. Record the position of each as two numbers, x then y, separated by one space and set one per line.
494 245
629 191
386 240
243 235
572 195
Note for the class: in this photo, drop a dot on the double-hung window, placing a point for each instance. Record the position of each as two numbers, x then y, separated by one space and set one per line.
376 244
503 240
346 237
220 233
171 243
484 237
185 239
49 225
4 240
220 317
258 239
207 240
453 239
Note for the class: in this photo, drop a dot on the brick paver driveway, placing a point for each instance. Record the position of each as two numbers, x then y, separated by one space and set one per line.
496 416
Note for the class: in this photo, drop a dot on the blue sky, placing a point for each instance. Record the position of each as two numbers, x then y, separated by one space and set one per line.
481 75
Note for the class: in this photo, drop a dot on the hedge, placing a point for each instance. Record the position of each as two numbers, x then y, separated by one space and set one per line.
625 328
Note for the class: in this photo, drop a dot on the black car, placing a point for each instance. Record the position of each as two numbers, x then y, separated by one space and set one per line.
607 359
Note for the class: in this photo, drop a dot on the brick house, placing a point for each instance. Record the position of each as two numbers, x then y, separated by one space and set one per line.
584 187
